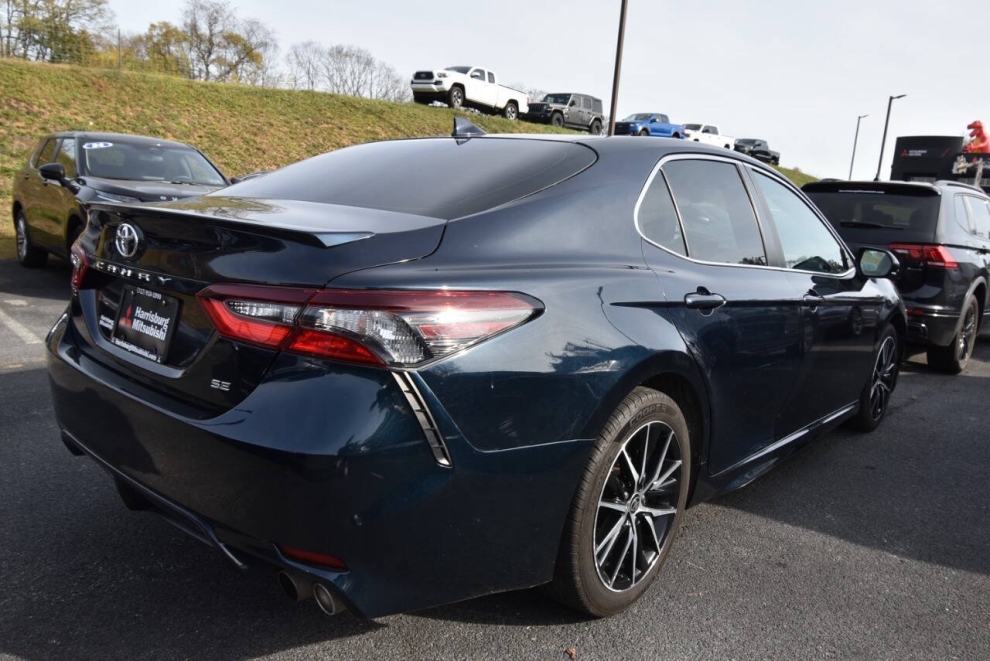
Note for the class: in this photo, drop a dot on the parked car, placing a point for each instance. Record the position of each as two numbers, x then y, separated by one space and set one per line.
709 134
515 364
70 169
649 123
472 87
758 149
576 111
941 234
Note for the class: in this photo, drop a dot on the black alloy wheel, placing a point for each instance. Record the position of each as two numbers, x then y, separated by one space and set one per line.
954 358
27 255
628 507
875 398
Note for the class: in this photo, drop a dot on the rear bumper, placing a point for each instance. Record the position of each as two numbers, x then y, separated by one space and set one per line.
333 462
931 327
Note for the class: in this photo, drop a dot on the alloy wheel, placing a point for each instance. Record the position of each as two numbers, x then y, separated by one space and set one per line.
22 240
967 335
884 372
637 506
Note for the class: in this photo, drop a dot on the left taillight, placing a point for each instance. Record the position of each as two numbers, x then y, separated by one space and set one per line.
80 265
396 328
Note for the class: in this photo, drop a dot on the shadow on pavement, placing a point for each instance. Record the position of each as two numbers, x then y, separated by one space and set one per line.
50 282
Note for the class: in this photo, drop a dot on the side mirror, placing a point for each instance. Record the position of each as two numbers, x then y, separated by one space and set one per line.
572 103
235 180
877 263
52 172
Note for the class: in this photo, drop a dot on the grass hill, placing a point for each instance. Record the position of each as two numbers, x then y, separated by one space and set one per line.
242 129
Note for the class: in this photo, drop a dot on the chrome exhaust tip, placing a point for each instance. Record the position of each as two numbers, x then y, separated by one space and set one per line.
326 600
295 586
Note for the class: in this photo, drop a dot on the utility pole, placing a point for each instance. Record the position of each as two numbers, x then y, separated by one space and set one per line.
618 68
855 140
883 141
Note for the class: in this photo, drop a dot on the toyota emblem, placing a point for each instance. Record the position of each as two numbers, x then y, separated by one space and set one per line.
128 240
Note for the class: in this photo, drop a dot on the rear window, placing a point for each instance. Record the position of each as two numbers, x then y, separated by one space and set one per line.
440 178
864 216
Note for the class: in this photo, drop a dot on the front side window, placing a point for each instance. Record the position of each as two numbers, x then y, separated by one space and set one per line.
657 217
979 213
47 153
806 242
719 222
709 130
478 74
67 157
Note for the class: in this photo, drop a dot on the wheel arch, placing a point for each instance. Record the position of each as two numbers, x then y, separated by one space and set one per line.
73 222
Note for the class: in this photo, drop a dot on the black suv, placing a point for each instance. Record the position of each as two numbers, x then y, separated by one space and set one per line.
941 234
758 149
70 169
576 111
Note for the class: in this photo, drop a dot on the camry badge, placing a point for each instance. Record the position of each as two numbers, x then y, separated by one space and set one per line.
128 240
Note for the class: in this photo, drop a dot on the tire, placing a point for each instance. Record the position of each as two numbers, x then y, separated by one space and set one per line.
596 127
727 146
676 136
646 428
875 398
953 358
557 120
27 255
511 111
455 97
644 132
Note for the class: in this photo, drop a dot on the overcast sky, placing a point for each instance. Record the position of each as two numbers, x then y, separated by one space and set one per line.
795 72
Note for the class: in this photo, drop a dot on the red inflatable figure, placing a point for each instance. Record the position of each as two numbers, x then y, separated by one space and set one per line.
980 143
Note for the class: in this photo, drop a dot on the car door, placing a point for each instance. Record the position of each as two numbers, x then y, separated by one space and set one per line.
483 92
47 202
740 318
979 216
35 191
56 202
841 311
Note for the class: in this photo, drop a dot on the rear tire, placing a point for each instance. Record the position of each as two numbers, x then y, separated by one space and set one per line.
954 358
875 398
557 120
596 127
627 508
511 111
455 98
27 255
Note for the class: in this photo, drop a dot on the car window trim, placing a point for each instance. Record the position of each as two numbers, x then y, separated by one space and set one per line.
851 271
746 183
687 156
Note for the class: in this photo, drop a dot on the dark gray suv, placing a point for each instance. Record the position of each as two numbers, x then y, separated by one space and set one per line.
941 234
575 111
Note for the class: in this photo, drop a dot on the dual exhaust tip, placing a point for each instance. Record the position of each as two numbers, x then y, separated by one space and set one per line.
299 587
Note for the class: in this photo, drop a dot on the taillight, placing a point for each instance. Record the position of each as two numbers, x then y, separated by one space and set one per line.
397 328
932 255
80 265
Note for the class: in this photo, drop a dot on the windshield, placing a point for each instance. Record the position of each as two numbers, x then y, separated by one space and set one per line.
562 99
149 162
857 214
747 141
458 69
638 117
692 127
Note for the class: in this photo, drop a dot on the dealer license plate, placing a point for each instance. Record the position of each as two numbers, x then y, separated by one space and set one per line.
145 322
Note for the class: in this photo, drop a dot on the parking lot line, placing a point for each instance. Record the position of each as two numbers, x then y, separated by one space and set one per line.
19 329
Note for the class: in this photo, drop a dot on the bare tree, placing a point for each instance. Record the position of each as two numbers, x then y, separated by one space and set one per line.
304 65
353 71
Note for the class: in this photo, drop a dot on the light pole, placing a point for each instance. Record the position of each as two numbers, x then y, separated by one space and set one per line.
883 141
618 68
855 140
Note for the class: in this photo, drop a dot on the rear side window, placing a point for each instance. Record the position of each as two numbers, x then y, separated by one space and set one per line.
47 153
597 105
657 217
586 102
717 214
436 177
67 157
491 77
806 242
979 215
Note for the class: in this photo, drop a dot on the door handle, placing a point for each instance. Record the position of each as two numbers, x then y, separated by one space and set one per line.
812 300
703 300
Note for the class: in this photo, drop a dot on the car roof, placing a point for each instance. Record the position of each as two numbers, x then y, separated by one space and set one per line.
121 137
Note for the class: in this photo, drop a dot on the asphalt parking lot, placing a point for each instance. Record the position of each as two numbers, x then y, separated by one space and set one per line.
871 546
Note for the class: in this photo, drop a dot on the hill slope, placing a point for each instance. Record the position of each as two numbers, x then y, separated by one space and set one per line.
242 129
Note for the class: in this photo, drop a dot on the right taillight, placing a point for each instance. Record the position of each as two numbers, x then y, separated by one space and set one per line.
931 255
398 328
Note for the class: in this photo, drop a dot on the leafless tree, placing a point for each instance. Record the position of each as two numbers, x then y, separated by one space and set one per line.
354 71
304 65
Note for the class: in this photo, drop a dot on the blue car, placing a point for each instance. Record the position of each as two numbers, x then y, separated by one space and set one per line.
413 372
649 123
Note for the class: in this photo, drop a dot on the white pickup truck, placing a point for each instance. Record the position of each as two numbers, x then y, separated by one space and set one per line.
708 133
471 87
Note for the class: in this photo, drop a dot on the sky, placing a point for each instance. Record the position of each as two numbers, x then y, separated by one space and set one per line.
794 72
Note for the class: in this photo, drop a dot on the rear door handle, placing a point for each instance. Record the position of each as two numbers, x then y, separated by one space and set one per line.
703 300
